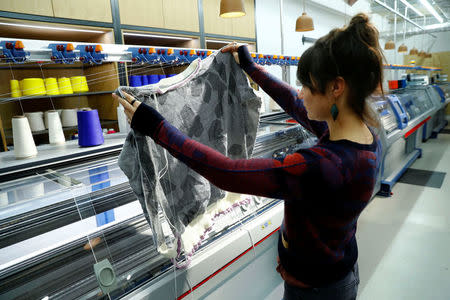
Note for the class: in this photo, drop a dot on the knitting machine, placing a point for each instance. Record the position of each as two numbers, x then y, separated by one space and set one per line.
72 228
409 117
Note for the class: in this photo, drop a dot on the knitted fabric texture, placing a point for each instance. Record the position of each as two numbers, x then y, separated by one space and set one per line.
213 105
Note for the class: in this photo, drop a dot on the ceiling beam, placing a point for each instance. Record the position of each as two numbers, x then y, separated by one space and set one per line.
387 7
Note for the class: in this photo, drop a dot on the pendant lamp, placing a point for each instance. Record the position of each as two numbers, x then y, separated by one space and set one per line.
413 51
402 48
231 8
389 45
304 22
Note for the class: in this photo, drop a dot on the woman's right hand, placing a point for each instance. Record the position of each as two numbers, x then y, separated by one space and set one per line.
232 48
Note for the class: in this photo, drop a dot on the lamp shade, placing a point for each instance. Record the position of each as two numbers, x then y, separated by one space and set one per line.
402 48
304 23
232 8
413 51
390 45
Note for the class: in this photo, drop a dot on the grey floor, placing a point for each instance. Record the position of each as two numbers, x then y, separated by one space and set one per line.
404 240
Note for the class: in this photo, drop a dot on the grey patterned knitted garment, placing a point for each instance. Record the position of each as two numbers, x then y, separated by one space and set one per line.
214 105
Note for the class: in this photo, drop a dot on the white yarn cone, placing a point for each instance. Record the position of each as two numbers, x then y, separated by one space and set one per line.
55 131
36 120
69 117
122 119
24 146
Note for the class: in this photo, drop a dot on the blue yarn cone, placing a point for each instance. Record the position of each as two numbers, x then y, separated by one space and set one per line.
152 79
89 128
135 80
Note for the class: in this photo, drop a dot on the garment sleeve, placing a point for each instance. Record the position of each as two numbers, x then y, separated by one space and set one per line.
261 177
282 93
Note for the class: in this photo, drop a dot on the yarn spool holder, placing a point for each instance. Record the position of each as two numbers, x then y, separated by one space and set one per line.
63 53
14 51
91 54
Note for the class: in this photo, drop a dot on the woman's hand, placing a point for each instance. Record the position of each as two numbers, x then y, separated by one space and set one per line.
288 277
232 48
129 103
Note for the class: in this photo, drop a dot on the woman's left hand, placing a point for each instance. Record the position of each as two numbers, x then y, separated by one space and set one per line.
129 104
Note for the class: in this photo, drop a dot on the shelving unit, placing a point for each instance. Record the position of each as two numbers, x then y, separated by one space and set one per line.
10 99
102 79
41 137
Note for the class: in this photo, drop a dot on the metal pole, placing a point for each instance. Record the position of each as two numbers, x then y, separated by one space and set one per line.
404 26
395 32
121 68
281 27
285 74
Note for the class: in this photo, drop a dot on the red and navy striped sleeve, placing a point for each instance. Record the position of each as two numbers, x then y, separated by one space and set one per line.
282 93
257 176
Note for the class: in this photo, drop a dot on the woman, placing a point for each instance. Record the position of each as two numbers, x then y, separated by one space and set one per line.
325 187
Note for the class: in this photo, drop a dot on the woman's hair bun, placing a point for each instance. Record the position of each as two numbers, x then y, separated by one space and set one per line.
361 27
360 18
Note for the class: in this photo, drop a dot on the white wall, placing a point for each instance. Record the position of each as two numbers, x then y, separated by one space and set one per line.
327 14
268 25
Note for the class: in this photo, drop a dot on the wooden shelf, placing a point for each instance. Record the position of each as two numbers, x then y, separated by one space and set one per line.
8 132
57 32
140 38
50 66
5 100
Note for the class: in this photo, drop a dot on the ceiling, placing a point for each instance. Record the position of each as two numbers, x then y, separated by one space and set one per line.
441 6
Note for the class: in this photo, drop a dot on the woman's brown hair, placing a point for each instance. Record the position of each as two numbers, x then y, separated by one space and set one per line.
352 52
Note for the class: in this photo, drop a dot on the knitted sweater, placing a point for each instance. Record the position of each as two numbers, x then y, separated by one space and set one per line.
325 187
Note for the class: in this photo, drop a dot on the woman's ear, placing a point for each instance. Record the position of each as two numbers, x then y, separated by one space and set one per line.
338 86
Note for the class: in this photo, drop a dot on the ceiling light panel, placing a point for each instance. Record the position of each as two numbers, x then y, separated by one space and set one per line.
412 7
432 10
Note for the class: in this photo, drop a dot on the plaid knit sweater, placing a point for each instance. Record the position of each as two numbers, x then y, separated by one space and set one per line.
325 187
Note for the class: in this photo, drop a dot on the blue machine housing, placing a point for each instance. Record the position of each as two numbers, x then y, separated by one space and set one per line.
89 55
168 58
140 55
399 111
440 91
60 54
12 54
